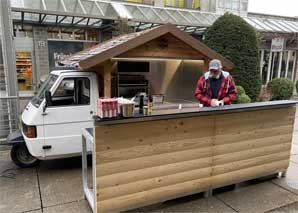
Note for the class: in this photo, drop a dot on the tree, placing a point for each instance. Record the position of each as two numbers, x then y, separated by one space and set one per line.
237 41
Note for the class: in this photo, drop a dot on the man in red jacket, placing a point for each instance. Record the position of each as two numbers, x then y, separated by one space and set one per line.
215 86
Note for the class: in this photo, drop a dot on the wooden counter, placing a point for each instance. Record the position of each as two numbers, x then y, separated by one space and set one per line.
150 159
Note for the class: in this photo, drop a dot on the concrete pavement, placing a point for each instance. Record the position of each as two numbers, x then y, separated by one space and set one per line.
56 186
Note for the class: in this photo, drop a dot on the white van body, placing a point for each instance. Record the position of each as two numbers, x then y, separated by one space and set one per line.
59 128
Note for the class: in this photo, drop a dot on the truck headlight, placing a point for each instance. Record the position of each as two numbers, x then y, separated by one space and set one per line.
29 131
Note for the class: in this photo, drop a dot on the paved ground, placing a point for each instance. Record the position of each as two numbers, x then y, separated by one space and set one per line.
56 186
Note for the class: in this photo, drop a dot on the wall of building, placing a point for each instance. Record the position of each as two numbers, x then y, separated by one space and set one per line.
41 52
280 64
238 7
208 5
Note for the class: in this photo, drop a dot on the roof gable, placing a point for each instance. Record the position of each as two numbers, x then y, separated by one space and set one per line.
166 46
131 45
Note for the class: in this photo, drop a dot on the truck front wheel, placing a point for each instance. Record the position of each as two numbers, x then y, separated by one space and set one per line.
21 156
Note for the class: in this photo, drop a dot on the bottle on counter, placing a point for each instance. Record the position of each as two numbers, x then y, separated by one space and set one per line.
150 105
141 104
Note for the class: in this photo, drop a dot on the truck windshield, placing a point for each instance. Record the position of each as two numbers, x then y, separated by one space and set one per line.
47 85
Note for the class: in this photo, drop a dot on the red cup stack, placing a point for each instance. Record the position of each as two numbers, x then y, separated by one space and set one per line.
107 107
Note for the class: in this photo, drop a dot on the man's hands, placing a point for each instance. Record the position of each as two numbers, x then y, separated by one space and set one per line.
214 103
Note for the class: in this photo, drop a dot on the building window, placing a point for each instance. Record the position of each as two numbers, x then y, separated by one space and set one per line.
92 35
73 34
67 35
265 65
24 69
71 92
243 6
169 3
53 33
79 35
235 5
228 4
282 65
190 4
141 1
24 31
275 65
196 4
291 66
221 4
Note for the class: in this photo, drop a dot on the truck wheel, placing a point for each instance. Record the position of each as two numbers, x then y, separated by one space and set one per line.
21 156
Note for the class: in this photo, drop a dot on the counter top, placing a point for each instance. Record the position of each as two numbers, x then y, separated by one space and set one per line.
191 111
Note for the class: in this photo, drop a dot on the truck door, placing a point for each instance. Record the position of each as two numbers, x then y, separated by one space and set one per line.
71 111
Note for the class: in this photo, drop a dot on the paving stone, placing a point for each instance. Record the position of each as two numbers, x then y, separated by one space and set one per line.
294 159
295 138
198 205
194 203
290 182
73 207
18 187
260 197
291 208
5 161
294 149
35 211
61 181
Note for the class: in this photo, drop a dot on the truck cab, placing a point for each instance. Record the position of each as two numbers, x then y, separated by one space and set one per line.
53 120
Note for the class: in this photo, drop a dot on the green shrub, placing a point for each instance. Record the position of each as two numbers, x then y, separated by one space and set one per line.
237 41
281 88
241 97
240 90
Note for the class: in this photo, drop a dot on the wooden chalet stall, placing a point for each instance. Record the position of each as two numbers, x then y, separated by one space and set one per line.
161 43
179 151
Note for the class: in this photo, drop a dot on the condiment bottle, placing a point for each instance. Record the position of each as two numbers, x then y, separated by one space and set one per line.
141 105
150 105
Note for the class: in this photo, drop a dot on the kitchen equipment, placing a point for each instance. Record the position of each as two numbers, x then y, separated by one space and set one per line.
137 96
126 107
157 99
130 84
145 110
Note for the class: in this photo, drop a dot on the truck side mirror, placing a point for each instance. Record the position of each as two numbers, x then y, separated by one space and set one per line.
48 97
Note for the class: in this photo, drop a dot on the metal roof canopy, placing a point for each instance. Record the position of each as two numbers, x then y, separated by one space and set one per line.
166 42
91 13
76 13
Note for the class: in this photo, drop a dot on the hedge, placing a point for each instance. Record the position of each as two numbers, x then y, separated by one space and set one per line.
281 88
237 41
241 97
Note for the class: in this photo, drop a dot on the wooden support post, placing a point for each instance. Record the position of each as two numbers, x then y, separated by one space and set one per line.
107 83
108 69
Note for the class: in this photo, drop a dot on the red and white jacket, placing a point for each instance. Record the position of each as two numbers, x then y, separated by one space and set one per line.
227 91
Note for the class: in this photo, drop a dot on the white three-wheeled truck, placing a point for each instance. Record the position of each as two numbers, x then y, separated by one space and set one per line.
53 120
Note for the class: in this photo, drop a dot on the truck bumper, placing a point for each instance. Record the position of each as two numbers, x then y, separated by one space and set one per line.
15 137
